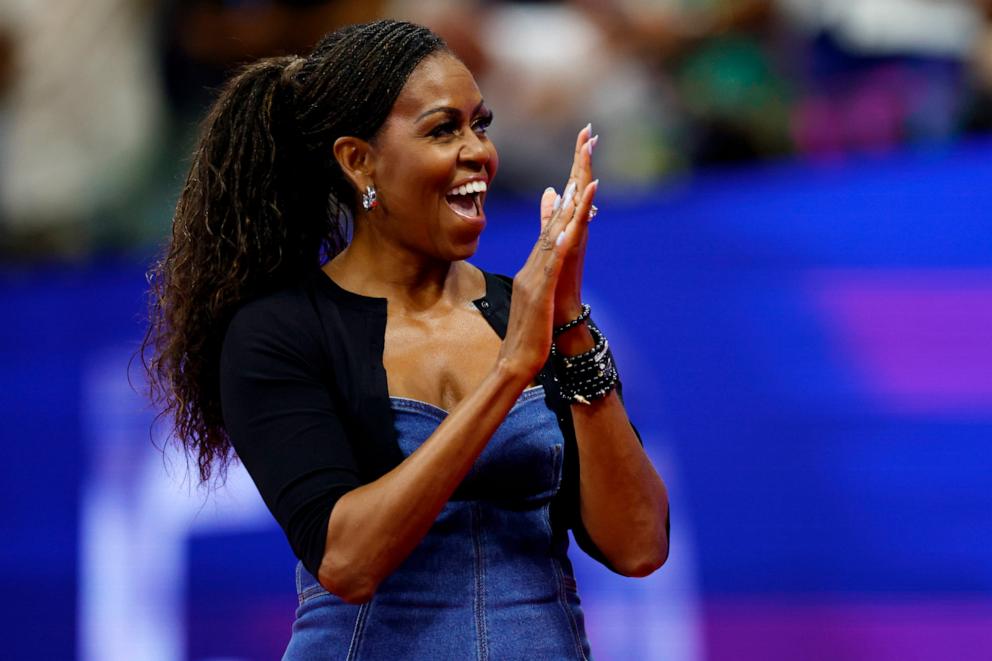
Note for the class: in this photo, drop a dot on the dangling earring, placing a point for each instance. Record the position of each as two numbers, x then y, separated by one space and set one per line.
369 200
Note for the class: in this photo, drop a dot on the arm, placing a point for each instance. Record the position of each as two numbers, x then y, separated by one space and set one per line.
373 528
623 502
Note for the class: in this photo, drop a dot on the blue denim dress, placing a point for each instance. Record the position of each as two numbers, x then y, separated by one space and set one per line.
490 580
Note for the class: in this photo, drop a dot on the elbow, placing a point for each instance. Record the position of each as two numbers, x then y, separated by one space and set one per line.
346 581
645 563
641 567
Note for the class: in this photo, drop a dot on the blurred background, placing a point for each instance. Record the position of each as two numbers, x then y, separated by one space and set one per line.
793 259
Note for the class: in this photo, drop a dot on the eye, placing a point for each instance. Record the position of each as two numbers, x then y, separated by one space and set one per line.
481 124
447 128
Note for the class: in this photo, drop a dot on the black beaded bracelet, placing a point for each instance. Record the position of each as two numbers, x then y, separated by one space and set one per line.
583 315
588 376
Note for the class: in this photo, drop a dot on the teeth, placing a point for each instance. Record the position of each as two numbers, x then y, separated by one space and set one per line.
469 188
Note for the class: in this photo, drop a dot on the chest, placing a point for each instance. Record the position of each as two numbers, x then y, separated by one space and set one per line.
438 359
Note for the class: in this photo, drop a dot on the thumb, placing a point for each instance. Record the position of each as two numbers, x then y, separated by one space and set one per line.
547 205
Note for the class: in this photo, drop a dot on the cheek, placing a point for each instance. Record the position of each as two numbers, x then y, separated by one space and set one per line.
493 165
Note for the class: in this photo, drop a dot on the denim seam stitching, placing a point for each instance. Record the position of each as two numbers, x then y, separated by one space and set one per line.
359 631
563 602
311 592
480 586
562 596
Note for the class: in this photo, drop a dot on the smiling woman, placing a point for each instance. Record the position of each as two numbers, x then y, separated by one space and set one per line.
424 432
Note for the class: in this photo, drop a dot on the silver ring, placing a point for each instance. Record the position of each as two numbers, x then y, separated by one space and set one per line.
593 210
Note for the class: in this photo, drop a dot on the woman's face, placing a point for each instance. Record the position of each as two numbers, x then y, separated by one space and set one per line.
433 145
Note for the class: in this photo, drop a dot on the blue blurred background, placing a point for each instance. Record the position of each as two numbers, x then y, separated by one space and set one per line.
793 260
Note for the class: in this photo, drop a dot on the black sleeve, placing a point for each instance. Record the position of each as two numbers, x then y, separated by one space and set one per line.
280 415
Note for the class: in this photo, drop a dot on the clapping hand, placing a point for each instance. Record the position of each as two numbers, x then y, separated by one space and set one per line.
568 293
547 290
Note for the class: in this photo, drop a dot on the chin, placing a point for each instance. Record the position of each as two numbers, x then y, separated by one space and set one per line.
461 251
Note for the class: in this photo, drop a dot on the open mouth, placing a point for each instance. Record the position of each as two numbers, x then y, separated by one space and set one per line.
466 200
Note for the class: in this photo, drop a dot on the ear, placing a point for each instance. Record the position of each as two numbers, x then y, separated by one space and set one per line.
355 157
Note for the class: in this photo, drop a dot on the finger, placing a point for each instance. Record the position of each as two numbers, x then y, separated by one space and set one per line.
580 215
583 167
560 217
584 135
547 205
566 241
584 204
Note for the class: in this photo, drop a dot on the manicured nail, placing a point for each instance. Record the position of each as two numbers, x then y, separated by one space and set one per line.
557 204
589 128
569 193
592 143
561 238
549 189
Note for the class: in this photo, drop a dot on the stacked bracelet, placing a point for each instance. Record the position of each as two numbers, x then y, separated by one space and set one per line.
590 375
583 315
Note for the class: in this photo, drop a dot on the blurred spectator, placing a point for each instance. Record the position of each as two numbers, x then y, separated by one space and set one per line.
546 68
881 72
81 109
99 100
979 112
203 40
721 59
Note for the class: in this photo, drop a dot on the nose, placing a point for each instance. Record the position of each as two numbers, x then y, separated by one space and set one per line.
476 151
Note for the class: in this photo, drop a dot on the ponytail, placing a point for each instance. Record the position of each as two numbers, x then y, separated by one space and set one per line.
264 202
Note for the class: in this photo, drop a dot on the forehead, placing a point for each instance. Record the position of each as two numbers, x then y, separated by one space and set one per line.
439 80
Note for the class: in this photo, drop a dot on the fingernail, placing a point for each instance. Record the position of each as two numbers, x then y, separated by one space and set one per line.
589 127
561 238
569 193
594 183
557 204
591 144
549 189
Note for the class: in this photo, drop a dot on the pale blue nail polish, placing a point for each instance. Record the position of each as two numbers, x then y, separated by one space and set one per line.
569 194
557 204
561 238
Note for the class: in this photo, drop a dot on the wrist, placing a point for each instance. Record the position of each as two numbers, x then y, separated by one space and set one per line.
510 374
575 341
565 312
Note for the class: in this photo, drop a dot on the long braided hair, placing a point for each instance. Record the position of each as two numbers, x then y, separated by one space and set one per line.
264 203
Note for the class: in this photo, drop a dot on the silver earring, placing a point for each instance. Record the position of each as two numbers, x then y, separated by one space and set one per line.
369 200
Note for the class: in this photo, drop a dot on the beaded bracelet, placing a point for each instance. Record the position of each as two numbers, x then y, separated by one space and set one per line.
588 376
583 315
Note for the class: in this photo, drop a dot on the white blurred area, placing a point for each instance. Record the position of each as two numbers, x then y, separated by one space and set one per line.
81 110
948 28
138 513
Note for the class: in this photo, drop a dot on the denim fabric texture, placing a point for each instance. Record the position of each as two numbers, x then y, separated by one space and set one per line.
490 580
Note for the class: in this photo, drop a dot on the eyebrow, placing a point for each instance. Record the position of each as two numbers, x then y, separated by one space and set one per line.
450 110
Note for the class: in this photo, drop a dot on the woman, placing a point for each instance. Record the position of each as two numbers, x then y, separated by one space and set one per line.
396 406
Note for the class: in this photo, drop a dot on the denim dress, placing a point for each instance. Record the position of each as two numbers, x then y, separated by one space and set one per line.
490 580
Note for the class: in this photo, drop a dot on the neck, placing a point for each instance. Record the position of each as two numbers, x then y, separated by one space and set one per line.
374 266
